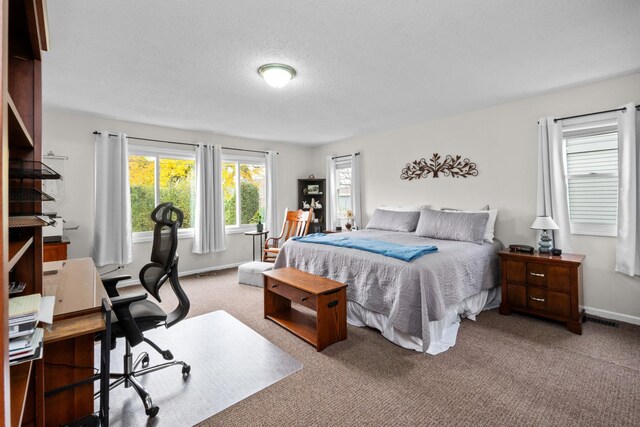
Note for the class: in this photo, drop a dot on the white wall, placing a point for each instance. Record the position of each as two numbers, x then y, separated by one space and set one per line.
502 141
70 134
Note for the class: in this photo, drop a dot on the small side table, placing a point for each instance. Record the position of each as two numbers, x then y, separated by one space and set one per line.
262 235
543 285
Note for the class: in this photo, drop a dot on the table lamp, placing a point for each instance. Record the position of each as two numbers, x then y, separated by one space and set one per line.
544 223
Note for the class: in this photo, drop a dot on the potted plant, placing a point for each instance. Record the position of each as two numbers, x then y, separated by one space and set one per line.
257 218
349 217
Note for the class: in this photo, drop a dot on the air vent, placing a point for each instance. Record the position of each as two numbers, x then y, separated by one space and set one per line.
600 321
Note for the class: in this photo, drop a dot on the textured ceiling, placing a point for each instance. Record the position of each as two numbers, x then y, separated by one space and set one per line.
363 66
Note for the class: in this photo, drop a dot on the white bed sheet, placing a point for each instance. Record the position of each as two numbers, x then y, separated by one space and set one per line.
443 332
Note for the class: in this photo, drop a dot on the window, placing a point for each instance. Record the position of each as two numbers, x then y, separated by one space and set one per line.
591 161
244 191
343 188
157 176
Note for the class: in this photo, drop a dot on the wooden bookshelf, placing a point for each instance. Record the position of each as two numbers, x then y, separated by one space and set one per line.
24 35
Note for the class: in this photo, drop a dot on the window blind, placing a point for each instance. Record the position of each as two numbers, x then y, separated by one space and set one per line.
592 181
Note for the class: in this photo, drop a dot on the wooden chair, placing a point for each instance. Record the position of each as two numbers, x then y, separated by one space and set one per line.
296 223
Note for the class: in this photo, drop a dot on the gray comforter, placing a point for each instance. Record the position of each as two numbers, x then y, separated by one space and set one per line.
410 294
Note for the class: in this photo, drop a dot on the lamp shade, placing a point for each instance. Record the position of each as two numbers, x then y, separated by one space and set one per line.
544 223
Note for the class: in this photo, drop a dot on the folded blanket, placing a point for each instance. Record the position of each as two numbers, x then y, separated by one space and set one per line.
393 250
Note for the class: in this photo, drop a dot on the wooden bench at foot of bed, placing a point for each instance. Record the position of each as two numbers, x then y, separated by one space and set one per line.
326 297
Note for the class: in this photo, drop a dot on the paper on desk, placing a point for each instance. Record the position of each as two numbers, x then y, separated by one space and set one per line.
46 309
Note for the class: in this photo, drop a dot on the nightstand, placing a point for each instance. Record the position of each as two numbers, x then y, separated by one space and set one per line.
543 285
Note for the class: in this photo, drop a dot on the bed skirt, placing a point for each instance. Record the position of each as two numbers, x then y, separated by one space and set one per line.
442 332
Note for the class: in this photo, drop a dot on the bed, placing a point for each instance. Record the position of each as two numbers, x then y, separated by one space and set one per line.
416 304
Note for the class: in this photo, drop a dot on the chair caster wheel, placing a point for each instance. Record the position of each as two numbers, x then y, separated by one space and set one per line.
152 412
186 369
145 361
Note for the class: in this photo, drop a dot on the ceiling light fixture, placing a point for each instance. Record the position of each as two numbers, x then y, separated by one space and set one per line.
277 75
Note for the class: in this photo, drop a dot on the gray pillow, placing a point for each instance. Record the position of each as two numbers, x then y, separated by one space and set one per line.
394 220
447 225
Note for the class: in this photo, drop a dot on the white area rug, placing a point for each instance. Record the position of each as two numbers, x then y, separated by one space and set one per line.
229 362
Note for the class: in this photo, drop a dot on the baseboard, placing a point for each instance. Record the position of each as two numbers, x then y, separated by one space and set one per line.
135 281
605 314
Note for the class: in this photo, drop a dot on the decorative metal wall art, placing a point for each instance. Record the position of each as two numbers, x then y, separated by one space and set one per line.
453 166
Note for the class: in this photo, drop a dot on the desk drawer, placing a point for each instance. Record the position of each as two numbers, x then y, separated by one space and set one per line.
291 293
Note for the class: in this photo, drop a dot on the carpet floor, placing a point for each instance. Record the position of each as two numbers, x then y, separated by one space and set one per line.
504 370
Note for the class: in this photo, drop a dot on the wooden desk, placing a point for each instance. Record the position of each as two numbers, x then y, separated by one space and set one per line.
69 341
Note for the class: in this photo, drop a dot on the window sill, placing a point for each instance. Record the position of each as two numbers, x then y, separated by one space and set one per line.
147 236
241 229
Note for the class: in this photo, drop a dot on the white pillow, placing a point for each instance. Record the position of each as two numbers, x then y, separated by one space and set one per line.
408 208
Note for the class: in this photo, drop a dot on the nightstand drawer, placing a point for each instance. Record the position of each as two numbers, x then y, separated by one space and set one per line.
291 293
537 299
549 301
536 274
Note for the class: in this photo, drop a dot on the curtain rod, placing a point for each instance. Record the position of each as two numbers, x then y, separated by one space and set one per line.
346 155
95 132
592 114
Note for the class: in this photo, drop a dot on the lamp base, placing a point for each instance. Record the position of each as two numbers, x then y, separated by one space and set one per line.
545 243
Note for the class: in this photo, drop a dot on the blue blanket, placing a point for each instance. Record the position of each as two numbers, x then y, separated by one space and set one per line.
393 250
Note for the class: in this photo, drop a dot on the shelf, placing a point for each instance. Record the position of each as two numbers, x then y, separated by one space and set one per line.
19 137
300 324
19 375
26 221
28 195
29 169
17 249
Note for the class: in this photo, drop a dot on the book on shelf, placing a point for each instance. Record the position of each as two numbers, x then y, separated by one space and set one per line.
22 329
26 348
23 306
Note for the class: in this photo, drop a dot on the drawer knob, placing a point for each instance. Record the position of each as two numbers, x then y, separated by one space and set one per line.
536 274
304 298
537 299
274 286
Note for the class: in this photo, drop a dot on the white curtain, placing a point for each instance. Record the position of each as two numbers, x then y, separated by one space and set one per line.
112 241
355 190
209 226
552 189
331 211
272 216
628 238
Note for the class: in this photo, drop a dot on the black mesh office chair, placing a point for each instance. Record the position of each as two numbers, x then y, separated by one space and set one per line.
136 314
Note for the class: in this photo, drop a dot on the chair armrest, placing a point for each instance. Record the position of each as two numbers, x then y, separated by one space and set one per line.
274 239
127 323
110 284
126 300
